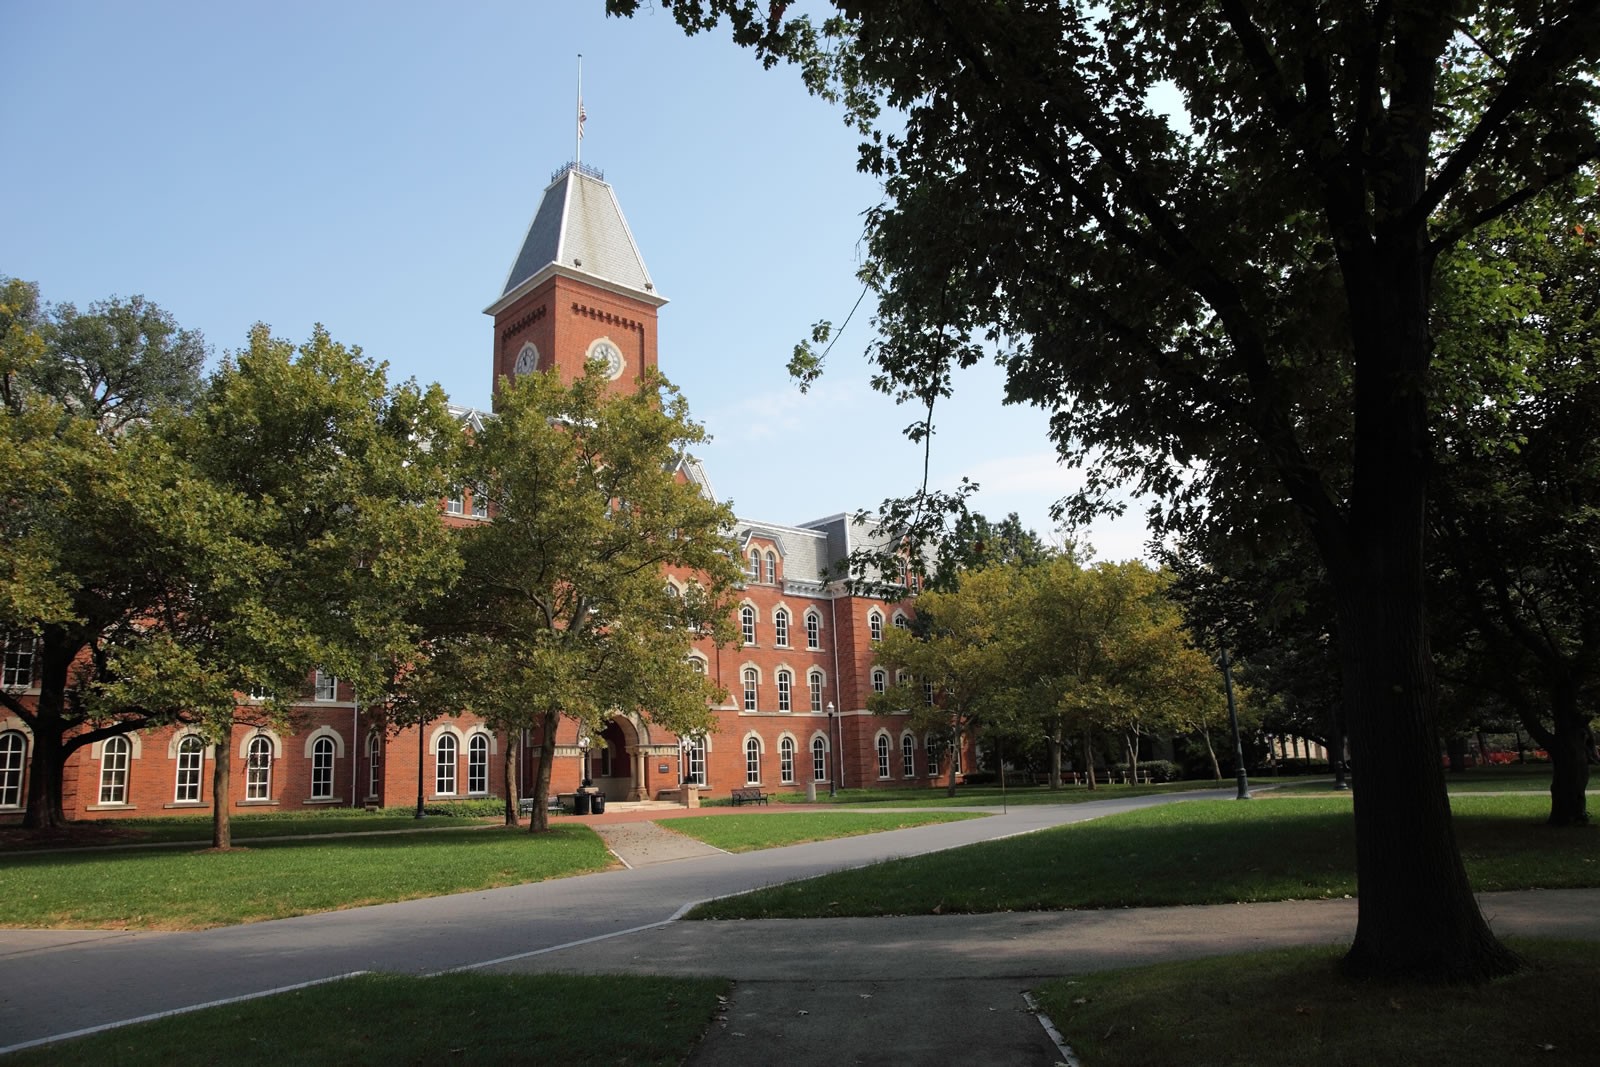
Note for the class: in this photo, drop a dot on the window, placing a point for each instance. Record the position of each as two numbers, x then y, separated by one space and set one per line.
444 765
697 761
16 666
480 502
327 686
880 681
322 769
927 692
875 626
753 571
752 761
785 684
932 748
191 754
114 770
908 756
478 764
453 506
899 621
258 769
750 680
747 624
13 756
780 628
813 630
819 759
772 568
814 683
698 664
786 760
883 755
374 761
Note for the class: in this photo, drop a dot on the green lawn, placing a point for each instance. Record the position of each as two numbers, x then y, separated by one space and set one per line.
748 833
383 1020
1198 852
990 796
1511 778
190 889
197 828
1291 1007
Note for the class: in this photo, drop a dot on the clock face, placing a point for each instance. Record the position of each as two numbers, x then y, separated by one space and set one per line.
609 354
527 360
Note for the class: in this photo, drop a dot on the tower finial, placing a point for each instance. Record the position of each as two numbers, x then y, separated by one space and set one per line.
577 153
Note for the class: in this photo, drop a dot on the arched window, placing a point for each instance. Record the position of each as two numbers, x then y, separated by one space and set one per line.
114 755
444 765
880 681
753 571
785 684
772 568
697 664
752 761
13 757
697 761
813 630
908 756
258 769
899 621
883 755
747 624
478 764
819 759
875 625
814 683
322 769
780 628
786 760
750 680
191 755
374 764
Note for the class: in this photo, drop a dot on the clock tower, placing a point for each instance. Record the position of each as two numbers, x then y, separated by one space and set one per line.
578 289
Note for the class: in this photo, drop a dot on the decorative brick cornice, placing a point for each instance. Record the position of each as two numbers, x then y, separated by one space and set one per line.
607 317
523 323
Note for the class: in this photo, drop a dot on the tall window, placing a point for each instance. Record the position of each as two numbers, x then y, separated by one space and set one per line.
780 628
16 664
114 770
927 692
786 760
880 681
13 756
931 747
752 761
374 764
322 769
258 769
327 687
750 679
478 764
191 754
883 755
772 568
899 621
453 506
875 626
813 630
480 502
753 571
814 683
819 759
908 756
747 624
697 761
444 765
785 684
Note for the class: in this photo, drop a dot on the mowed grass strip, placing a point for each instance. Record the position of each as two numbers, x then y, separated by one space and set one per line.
1195 852
383 1020
748 833
987 796
197 828
167 889
1292 1007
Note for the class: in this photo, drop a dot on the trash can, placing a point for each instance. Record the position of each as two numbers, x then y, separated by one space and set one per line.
597 803
580 803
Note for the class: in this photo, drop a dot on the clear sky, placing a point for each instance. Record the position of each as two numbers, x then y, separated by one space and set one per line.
374 166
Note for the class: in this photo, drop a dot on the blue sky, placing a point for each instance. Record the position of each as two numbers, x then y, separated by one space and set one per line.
373 167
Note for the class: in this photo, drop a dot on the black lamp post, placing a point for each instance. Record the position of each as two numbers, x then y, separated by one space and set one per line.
422 732
1233 721
833 781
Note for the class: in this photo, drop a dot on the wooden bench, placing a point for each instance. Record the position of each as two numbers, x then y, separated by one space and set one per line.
553 804
750 794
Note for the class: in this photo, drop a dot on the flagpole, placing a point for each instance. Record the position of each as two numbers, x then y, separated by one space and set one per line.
577 152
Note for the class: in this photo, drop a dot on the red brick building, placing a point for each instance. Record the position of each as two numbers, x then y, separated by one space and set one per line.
798 685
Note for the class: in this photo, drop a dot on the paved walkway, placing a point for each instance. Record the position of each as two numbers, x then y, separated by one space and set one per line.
903 990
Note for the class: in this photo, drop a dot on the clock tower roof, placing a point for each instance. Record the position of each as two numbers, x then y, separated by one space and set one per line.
579 232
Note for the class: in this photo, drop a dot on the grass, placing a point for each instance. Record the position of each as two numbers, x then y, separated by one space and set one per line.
1291 1007
748 833
1512 777
990 796
386 1020
1200 852
168 889
197 828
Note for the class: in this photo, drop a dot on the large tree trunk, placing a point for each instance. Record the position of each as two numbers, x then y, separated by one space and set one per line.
1088 756
47 765
955 751
539 818
1568 744
1055 743
221 815
509 771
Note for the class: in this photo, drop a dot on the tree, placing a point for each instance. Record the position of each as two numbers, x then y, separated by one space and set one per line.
1236 295
975 542
564 608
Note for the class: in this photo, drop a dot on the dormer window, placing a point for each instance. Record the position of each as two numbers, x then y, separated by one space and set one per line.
753 571
772 568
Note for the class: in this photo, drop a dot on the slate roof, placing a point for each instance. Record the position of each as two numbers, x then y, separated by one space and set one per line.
579 231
